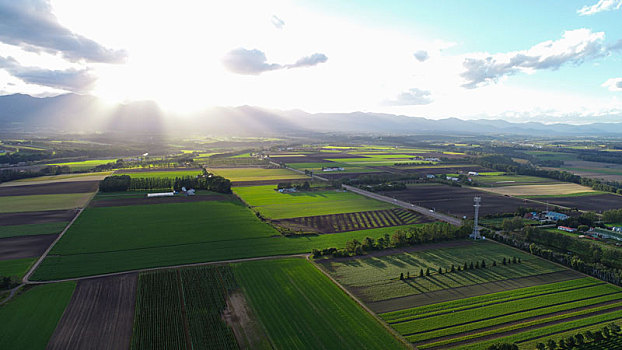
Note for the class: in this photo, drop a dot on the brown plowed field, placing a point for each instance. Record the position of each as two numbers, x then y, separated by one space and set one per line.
597 203
458 201
51 188
36 217
355 221
120 202
24 246
99 316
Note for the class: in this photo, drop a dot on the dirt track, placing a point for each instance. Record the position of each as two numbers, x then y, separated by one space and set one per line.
100 315
24 246
36 217
51 188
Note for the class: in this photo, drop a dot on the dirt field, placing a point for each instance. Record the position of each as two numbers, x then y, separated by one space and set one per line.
52 188
354 221
36 217
537 190
458 201
120 202
24 246
470 291
597 203
99 316
157 170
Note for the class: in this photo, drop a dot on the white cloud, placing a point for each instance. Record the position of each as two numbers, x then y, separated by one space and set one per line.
254 62
613 84
575 46
411 97
600 6
421 55
74 80
277 22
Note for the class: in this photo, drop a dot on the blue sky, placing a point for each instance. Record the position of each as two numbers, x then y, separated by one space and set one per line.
554 61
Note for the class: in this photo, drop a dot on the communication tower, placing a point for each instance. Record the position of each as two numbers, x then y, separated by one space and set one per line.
475 234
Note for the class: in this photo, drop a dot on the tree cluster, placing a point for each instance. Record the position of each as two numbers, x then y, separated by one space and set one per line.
392 186
305 186
11 174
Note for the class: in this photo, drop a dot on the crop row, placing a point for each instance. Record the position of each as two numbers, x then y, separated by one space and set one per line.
497 311
513 317
540 332
182 310
358 221
609 309
488 299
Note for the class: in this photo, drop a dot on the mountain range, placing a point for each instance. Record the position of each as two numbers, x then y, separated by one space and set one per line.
84 113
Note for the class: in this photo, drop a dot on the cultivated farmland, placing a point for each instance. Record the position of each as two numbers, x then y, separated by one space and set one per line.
354 221
99 315
24 246
31 229
555 189
597 203
14 204
241 175
301 308
181 309
160 173
275 205
458 201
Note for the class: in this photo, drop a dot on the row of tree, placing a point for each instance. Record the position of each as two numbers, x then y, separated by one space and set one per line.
464 267
433 232
305 186
575 261
207 181
11 174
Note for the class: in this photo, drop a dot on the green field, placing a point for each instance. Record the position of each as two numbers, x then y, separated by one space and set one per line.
317 167
14 204
377 278
31 229
509 180
85 165
16 267
28 321
181 309
257 174
161 174
300 308
275 205
65 177
124 228
76 265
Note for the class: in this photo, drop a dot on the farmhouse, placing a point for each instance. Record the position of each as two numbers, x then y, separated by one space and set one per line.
566 228
161 194
333 168
554 216
430 176
473 173
432 159
452 178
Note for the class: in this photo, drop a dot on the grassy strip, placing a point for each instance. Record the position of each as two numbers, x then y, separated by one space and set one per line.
520 325
29 320
487 299
16 267
579 194
31 229
475 325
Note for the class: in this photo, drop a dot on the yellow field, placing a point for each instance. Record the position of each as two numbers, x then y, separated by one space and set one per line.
560 189
257 174
58 178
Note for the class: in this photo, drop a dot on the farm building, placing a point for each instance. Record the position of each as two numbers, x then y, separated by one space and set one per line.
333 168
532 216
566 228
554 216
616 229
430 176
452 178
161 194
473 173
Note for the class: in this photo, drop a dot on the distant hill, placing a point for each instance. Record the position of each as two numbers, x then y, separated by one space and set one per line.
78 113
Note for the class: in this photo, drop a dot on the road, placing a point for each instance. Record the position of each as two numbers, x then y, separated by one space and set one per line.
425 211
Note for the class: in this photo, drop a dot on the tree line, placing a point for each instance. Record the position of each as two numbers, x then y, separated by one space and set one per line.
433 232
585 340
459 268
207 181
12 174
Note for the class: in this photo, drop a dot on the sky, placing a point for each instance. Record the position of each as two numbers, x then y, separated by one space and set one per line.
547 61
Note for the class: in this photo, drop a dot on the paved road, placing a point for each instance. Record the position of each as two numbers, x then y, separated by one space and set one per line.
425 211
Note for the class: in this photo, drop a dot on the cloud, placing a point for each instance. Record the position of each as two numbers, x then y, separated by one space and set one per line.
254 62
410 98
32 25
575 46
75 80
277 22
421 55
309 61
613 84
600 6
